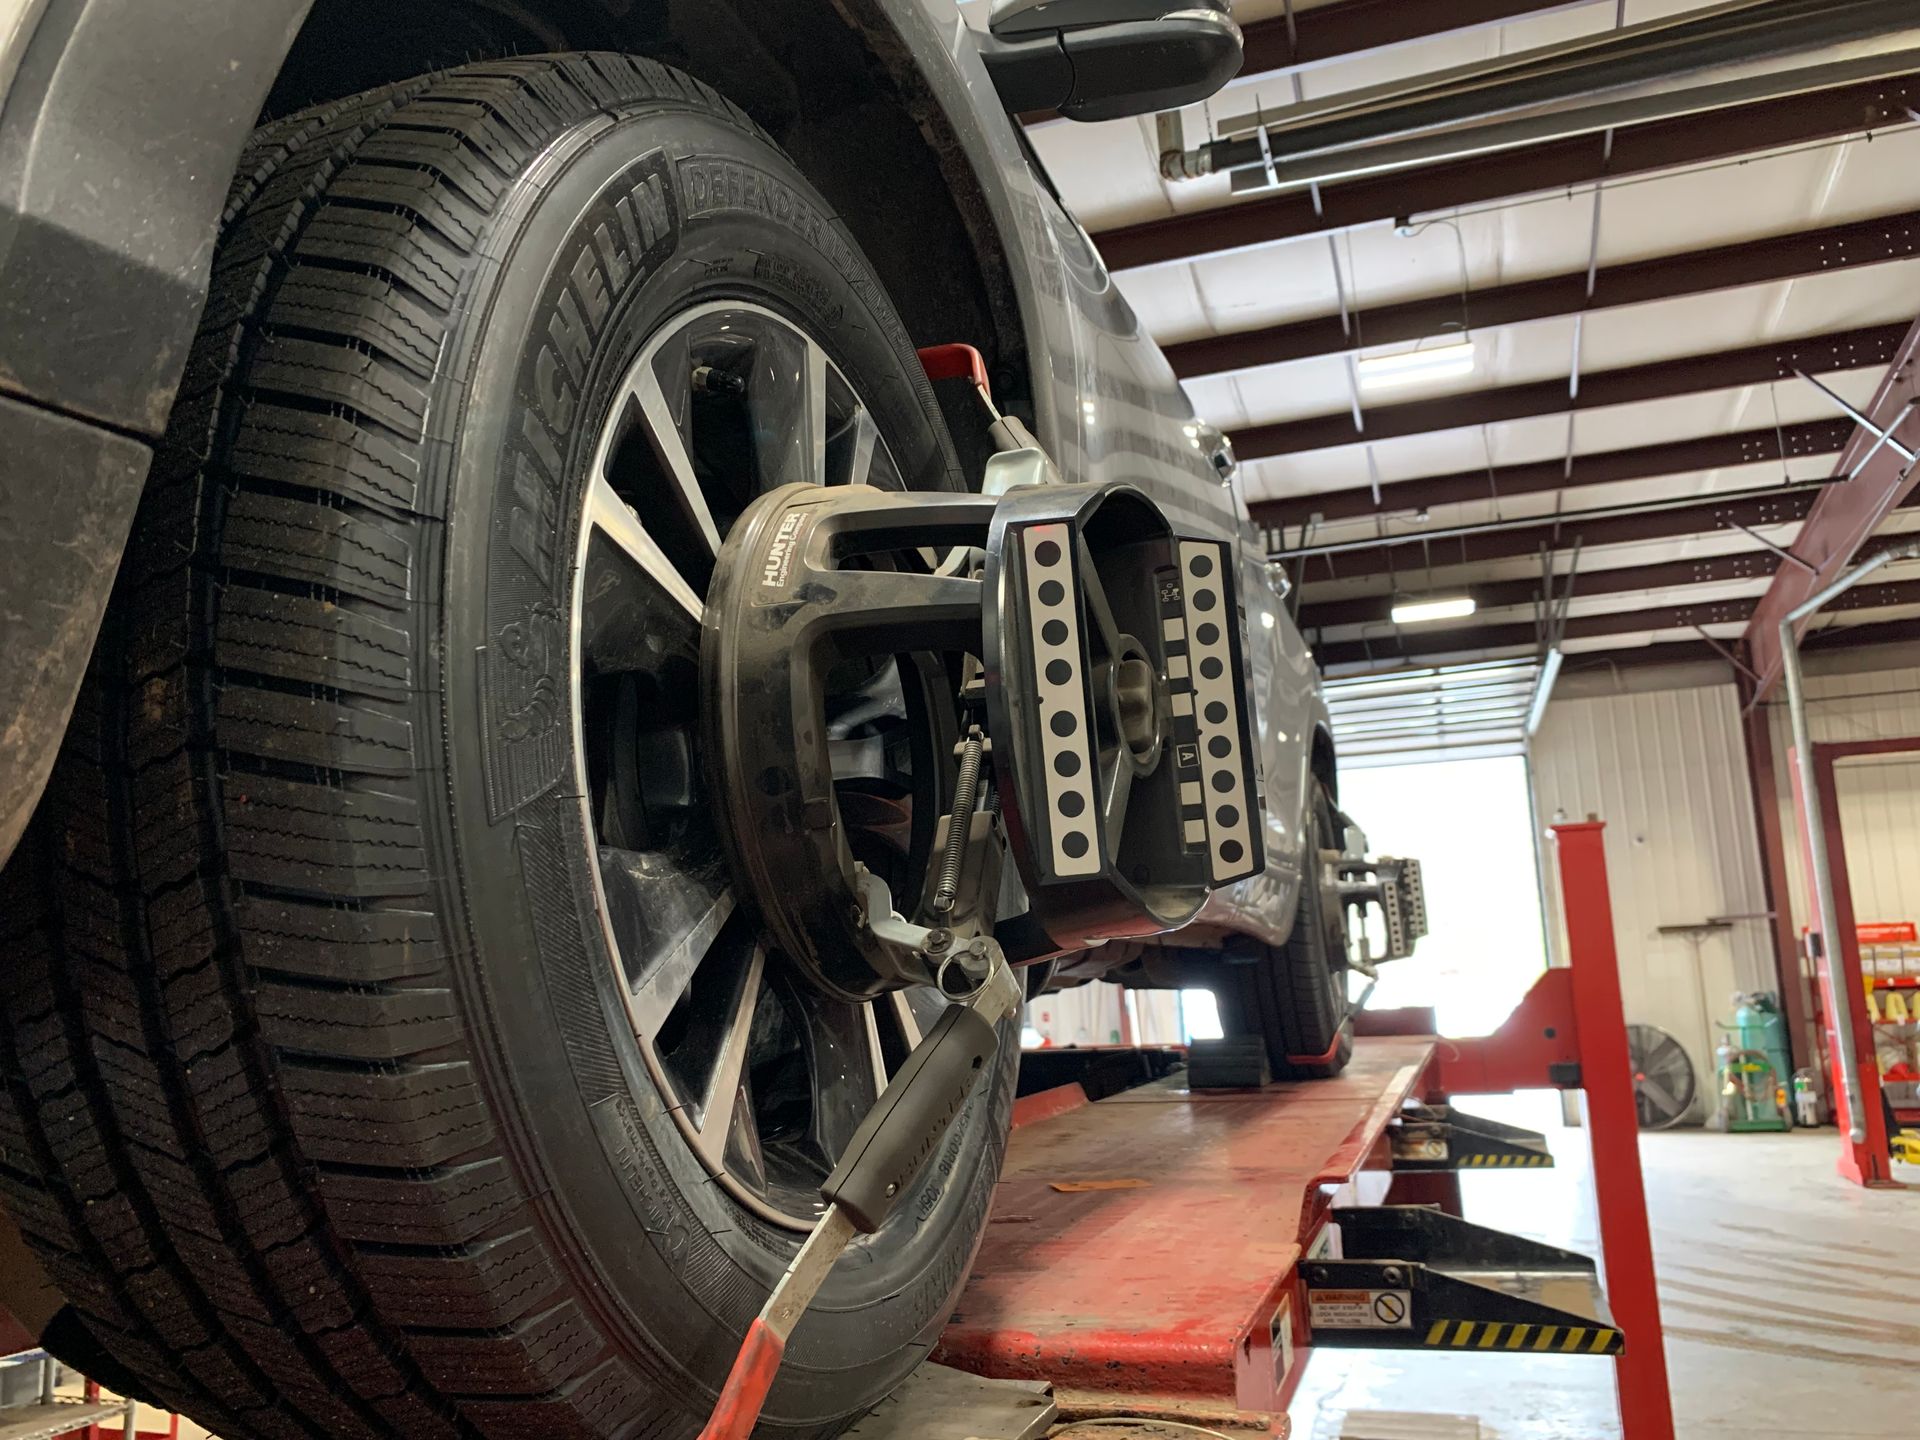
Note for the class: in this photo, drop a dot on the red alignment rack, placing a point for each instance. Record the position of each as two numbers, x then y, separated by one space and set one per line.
1143 1251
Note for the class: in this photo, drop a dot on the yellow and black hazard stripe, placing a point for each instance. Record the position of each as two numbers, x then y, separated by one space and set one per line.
1525 1160
1512 1335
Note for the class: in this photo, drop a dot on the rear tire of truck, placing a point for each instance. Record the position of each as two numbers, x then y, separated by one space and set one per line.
1295 995
325 1096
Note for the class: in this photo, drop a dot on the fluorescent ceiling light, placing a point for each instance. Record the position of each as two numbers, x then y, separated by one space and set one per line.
1416 612
1405 366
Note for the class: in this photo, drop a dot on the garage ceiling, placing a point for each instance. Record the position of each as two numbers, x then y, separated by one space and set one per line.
1638 303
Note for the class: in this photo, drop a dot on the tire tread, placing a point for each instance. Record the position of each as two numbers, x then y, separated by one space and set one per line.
239 1116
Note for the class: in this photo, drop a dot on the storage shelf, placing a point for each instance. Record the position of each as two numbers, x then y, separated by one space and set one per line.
1896 982
43 1422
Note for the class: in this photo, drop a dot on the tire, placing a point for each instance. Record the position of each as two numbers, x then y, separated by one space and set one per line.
1296 995
319 1096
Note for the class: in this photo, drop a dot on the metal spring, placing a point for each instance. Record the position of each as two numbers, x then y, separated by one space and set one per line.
965 793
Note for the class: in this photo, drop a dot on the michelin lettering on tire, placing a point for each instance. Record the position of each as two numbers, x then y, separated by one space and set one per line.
617 245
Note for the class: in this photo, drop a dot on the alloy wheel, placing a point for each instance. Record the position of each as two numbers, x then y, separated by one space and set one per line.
766 1076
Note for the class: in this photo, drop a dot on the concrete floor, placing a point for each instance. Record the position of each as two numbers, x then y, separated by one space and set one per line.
1791 1301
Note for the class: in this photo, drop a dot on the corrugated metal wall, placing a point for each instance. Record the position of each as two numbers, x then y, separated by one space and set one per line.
1879 799
1667 771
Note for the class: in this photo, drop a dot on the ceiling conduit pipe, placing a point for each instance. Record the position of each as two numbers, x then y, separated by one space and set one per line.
1337 136
1819 863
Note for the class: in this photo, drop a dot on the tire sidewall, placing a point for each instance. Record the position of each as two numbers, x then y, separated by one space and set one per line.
665 1255
1323 923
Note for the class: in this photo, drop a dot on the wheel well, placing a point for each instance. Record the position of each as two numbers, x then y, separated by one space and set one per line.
830 80
1320 762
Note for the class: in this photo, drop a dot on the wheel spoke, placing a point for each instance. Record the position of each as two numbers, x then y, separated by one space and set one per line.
787 397
861 440
742 1153
666 917
669 444
871 1015
815 401
726 1097
614 518
842 1069
905 1018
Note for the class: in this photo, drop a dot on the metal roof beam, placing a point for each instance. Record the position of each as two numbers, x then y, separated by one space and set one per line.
1599 467
1698 272
1582 160
1671 652
1872 346
1354 27
1496 594
1423 641
1847 514
1407 555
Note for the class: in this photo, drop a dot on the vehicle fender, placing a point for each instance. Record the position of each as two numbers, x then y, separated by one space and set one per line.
118 140
119 134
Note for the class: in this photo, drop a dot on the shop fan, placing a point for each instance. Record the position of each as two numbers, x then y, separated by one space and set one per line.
1663 1080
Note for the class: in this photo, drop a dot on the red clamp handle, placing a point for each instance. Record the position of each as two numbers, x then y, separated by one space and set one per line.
956 362
738 1409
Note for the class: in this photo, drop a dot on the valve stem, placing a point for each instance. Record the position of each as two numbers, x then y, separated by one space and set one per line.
965 793
713 381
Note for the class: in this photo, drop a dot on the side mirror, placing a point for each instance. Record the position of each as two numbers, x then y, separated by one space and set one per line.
1104 59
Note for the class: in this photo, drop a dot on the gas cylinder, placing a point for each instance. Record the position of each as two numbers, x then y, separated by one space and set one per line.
1806 1098
1759 1025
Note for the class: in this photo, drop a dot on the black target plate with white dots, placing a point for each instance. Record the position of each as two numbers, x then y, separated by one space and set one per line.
1219 801
1117 702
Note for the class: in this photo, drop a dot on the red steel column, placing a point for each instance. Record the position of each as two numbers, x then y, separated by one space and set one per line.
1626 1242
1868 1162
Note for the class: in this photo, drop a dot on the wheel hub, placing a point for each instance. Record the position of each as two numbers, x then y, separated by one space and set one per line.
1136 699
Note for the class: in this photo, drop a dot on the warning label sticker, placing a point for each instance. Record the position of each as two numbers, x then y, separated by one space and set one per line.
1360 1309
1280 1337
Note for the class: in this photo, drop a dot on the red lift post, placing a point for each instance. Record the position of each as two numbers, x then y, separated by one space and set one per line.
1581 1004
1158 1253
1865 1155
